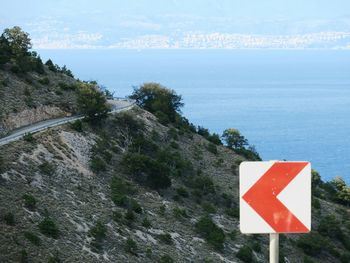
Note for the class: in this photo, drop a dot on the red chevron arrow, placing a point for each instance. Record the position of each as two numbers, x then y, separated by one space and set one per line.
262 197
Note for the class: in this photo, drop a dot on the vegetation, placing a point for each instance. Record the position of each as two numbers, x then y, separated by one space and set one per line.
237 142
131 246
159 100
14 48
92 102
34 239
98 233
29 201
245 254
211 232
9 219
48 227
166 259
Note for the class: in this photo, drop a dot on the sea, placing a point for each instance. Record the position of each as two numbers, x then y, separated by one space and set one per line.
290 104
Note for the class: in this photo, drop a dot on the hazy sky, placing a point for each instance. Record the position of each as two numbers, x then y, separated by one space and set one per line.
105 22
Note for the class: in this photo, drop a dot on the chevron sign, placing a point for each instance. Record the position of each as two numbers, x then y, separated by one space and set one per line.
275 197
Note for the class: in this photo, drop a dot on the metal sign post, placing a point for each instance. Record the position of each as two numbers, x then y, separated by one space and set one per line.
274 249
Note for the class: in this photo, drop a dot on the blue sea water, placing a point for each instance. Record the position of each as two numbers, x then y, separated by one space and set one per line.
292 105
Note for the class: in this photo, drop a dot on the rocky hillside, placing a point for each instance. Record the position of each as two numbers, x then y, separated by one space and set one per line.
102 195
32 97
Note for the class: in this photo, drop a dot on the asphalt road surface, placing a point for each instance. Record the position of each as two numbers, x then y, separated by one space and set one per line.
117 106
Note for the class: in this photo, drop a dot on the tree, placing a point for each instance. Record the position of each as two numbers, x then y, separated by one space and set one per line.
159 100
5 50
18 40
92 102
234 139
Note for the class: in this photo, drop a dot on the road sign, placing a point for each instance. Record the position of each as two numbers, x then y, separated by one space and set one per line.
275 197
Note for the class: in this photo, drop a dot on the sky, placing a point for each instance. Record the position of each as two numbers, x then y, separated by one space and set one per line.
105 23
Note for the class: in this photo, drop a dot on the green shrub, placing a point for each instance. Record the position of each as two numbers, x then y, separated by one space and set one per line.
245 254
67 87
166 259
203 183
23 256
98 233
181 191
29 201
119 190
48 227
131 246
162 209
28 137
208 208
47 168
211 232
157 173
135 206
312 243
34 239
179 213
166 238
174 145
155 98
330 226
232 212
129 216
146 223
9 219
172 133
44 81
97 164
77 125
212 148
92 103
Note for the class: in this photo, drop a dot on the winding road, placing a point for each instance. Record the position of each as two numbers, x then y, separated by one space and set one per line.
117 106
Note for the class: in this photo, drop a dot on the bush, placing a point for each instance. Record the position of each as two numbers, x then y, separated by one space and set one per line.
146 223
34 239
157 173
44 81
203 183
232 212
245 254
166 238
172 133
97 164
131 246
211 232
77 125
92 103
28 137
181 191
212 148
119 190
208 208
129 216
166 259
49 228
29 201
47 168
9 219
157 99
179 213
312 243
98 233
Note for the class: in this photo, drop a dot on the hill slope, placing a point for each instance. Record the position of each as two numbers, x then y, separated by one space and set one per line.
88 185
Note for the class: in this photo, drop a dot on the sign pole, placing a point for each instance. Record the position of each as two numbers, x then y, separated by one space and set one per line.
274 250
